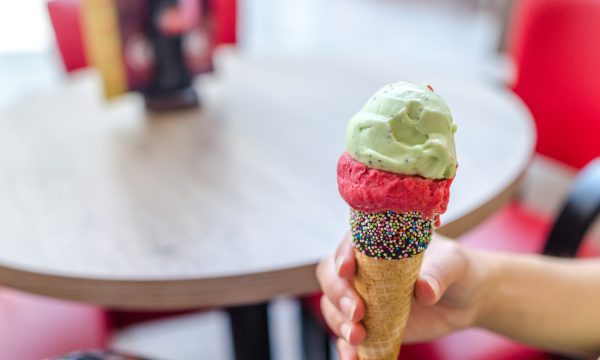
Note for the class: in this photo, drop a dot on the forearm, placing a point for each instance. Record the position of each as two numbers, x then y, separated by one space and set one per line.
545 302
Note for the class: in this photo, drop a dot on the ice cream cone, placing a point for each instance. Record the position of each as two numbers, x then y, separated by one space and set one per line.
386 287
389 250
395 174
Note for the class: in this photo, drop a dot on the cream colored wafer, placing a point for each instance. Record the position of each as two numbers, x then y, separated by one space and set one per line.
387 288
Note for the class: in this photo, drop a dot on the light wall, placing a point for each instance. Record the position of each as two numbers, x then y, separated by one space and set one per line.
24 26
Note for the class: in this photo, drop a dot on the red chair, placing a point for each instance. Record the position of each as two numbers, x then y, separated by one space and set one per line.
554 46
64 15
34 328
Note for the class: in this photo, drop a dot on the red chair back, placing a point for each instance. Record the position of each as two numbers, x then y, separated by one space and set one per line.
34 327
556 48
225 31
65 18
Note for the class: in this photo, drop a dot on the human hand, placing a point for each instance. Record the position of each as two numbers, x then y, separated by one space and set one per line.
448 294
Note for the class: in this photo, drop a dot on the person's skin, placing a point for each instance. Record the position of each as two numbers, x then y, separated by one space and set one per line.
549 303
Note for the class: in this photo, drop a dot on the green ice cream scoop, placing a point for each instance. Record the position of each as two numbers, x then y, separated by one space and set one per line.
407 129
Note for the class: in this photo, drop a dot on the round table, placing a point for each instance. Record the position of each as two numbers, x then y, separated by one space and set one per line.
232 203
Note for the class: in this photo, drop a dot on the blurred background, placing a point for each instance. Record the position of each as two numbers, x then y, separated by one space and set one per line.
464 34
465 38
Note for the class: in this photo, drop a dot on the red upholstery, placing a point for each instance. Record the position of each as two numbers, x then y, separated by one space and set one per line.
64 15
518 229
471 344
34 328
554 44
225 31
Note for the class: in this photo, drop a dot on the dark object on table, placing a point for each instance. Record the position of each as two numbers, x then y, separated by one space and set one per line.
171 86
99 355
152 46
174 100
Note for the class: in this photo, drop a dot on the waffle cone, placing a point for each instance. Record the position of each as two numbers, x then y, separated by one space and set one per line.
387 288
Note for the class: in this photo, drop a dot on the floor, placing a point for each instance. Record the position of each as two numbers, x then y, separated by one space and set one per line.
463 34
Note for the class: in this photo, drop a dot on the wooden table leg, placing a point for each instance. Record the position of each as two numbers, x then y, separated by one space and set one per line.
250 332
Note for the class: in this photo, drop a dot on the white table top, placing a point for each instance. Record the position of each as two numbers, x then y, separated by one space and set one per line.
231 203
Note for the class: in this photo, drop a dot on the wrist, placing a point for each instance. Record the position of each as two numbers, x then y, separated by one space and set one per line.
486 270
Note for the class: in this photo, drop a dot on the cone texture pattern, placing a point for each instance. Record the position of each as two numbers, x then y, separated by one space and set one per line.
387 288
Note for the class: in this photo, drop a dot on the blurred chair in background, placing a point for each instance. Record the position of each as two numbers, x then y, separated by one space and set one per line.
66 21
33 327
554 47
554 44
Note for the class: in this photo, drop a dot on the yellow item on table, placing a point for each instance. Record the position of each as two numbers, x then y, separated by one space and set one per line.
100 23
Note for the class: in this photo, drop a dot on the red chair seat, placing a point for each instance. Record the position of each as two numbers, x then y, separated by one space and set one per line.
34 328
471 344
516 228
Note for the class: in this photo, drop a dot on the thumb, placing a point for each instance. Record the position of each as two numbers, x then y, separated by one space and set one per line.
442 266
345 262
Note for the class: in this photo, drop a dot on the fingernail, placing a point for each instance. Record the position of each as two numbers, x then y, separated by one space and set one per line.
348 306
346 331
338 263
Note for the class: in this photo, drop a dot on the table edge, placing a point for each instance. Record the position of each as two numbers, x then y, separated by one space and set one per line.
476 216
231 290
166 294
